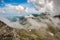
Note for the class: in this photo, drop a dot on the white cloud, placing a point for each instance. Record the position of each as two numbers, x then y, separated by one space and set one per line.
31 1
2 11
17 9
31 10
43 5
11 9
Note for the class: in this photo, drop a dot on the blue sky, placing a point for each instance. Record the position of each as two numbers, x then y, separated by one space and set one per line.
6 12
13 2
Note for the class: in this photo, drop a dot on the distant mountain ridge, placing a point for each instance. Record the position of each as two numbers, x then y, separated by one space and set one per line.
33 21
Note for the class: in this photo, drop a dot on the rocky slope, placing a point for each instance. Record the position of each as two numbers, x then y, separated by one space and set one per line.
35 27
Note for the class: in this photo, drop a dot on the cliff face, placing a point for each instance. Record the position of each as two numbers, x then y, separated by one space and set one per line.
36 27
